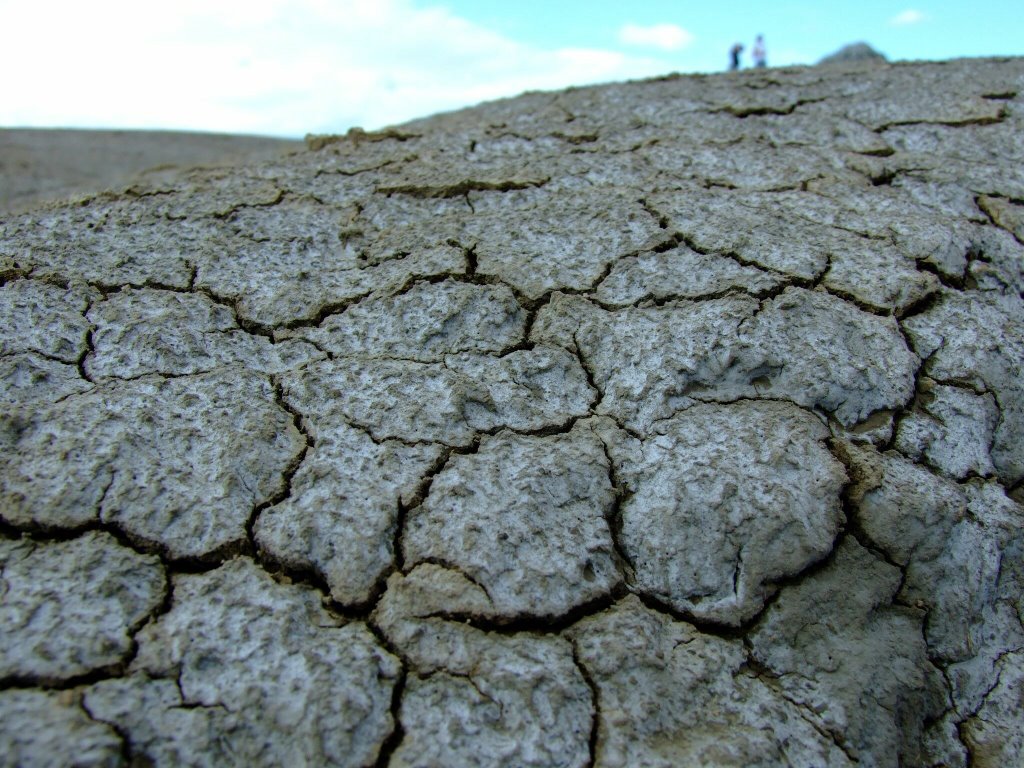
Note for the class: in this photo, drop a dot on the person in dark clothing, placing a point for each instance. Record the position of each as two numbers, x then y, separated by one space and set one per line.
734 56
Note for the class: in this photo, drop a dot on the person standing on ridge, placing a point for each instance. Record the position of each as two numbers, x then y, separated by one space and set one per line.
734 56
759 55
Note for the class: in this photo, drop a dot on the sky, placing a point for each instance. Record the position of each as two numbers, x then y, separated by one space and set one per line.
291 67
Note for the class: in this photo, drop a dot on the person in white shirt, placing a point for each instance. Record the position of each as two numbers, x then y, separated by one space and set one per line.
758 54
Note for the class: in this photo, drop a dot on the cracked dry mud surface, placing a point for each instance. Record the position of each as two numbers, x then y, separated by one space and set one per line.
677 422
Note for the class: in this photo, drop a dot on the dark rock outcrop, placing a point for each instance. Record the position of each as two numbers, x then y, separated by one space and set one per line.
854 52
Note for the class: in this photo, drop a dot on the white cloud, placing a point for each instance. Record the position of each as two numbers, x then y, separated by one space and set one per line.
907 17
665 37
283 67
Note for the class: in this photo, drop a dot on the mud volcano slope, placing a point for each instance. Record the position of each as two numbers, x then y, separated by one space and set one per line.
669 423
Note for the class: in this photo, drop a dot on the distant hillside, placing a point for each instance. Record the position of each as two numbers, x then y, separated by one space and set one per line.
50 164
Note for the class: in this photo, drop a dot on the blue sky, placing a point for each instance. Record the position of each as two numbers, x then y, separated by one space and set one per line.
287 67
800 32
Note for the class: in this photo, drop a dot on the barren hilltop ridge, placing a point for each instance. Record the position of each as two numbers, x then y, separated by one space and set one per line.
667 423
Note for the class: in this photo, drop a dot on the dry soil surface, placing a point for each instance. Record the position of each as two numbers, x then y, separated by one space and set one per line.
668 423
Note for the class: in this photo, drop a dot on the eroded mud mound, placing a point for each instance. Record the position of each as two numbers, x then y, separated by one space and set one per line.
669 423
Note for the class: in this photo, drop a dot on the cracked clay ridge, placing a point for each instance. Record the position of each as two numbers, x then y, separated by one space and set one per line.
672 422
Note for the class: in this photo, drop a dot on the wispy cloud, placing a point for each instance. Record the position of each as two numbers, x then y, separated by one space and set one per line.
664 37
907 17
271 66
